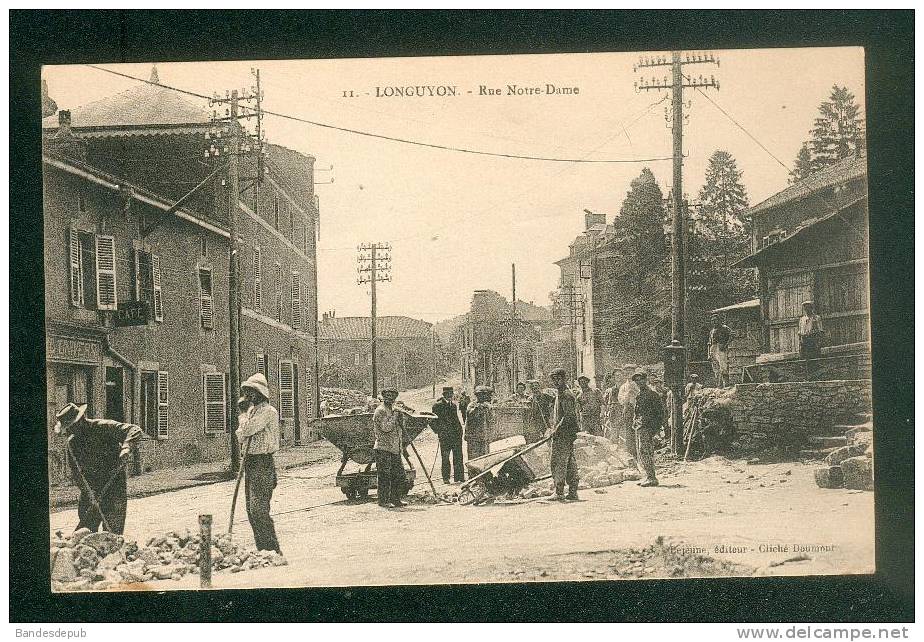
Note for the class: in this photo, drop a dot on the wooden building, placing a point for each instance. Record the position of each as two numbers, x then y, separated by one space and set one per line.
811 242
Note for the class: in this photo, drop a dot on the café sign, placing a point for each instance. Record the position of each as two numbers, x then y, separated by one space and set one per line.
72 350
133 313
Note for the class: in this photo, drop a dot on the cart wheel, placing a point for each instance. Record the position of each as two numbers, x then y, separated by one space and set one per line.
350 493
473 495
363 493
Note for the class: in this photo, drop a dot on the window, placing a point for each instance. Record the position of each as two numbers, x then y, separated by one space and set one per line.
286 389
92 270
205 298
291 211
81 200
163 404
263 365
257 279
155 404
356 359
204 246
296 301
147 282
278 292
214 401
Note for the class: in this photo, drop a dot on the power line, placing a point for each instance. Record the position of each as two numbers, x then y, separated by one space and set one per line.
396 139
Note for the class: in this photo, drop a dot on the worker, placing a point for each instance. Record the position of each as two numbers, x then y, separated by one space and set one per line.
626 398
610 411
449 430
647 420
520 395
258 434
590 402
388 425
657 384
538 413
811 332
464 400
565 427
693 386
719 337
98 451
479 423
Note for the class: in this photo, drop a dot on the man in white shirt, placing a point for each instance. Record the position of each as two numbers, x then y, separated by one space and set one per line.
258 434
810 332
628 391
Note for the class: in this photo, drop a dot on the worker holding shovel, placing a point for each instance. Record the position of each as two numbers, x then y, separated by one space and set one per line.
258 433
98 451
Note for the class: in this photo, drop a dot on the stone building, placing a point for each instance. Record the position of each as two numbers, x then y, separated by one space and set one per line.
136 291
811 242
408 352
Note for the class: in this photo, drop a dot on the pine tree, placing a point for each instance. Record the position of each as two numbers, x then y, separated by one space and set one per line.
803 165
723 200
838 130
639 228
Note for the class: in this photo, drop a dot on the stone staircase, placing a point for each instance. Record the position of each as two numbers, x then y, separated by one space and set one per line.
847 454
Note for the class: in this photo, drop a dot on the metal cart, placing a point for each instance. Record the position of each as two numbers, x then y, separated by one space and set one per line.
505 472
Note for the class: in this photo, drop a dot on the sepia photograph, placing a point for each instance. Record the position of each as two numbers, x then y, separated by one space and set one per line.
457 320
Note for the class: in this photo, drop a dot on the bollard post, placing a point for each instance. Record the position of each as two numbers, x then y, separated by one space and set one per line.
205 551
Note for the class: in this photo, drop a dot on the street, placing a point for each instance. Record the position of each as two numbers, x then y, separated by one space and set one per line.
750 518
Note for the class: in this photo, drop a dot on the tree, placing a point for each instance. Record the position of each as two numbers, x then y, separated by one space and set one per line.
803 165
723 200
838 133
640 230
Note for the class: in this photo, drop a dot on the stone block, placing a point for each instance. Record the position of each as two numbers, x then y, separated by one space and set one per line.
830 477
842 453
63 569
858 473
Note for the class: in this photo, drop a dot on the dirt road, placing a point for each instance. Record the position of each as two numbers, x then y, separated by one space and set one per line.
750 516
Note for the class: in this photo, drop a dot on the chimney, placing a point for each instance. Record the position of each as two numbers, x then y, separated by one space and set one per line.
593 218
325 318
63 142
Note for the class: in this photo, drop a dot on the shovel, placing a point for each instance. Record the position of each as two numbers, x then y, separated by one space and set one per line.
237 485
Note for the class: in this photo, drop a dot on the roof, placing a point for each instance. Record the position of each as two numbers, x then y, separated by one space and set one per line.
744 305
393 327
145 105
799 232
843 171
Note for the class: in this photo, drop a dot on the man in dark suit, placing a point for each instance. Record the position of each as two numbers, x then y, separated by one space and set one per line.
449 429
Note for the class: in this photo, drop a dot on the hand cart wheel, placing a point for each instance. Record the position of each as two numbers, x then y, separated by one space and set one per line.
473 494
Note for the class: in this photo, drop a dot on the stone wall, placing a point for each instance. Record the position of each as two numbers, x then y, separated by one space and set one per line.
791 412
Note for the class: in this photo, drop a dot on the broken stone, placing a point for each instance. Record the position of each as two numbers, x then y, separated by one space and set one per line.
63 569
104 543
111 561
858 473
86 557
830 477
842 453
79 534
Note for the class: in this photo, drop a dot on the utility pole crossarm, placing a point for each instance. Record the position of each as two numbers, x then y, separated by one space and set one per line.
373 266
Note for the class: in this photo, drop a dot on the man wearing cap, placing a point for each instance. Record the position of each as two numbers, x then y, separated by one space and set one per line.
657 384
449 430
479 422
719 337
589 401
649 416
98 451
520 395
388 425
538 413
565 427
464 400
626 398
258 434
811 332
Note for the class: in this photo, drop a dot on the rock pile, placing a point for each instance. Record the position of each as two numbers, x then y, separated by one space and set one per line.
344 400
99 561
850 466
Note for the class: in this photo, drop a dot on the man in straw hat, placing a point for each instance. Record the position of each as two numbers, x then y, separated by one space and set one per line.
565 427
449 430
649 415
258 434
98 451
388 425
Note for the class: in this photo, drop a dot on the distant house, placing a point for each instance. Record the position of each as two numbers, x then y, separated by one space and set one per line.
407 351
811 242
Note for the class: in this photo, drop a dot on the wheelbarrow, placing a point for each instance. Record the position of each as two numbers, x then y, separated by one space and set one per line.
354 437
505 472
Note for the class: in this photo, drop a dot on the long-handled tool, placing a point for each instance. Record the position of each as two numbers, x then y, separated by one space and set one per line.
85 486
435 457
237 485
424 467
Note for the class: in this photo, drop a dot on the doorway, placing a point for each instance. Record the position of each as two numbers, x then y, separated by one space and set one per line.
115 394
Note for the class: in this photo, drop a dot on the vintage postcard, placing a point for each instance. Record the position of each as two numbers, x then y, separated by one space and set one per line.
457 320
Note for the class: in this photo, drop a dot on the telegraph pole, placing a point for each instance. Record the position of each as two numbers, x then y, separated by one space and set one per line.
374 261
513 330
676 85
236 143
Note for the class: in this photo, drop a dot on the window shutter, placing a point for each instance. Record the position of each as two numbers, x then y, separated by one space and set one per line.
106 297
257 279
163 404
214 402
205 298
279 285
155 279
76 271
286 390
296 301
261 365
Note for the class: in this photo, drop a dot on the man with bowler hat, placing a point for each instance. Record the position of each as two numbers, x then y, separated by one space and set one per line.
449 430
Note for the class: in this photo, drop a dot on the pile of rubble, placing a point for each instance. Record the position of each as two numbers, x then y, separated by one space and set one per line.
343 401
849 466
99 561
600 463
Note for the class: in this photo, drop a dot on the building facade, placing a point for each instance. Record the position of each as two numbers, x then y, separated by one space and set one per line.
408 353
136 290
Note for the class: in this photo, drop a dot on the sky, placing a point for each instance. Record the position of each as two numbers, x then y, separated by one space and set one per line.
458 221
